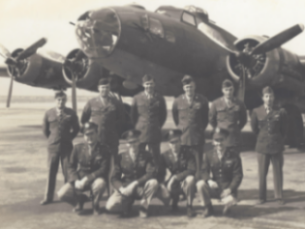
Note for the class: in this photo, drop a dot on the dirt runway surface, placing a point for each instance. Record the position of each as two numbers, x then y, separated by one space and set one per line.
23 170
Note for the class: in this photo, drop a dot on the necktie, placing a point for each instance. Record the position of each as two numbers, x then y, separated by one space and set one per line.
229 102
268 110
219 154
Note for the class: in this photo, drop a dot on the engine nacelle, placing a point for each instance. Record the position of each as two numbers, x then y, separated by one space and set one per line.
271 68
88 71
37 70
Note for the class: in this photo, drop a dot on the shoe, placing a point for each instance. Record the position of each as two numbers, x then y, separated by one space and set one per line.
280 201
96 210
208 211
261 201
143 212
81 201
125 214
45 202
189 212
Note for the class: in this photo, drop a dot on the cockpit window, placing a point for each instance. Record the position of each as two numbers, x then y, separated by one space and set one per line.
156 27
188 18
152 25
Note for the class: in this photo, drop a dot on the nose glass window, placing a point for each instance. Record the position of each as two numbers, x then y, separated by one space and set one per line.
98 33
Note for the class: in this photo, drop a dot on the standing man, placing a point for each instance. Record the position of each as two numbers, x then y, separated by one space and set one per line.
190 113
269 123
148 113
133 178
88 170
60 126
227 173
229 113
181 163
107 113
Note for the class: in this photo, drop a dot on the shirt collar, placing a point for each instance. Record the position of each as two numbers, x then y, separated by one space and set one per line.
59 110
147 95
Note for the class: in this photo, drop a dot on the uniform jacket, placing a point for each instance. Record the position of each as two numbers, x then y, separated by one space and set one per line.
227 172
127 171
109 118
182 167
148 116
60 133
232 118
93 165
270 129
192 119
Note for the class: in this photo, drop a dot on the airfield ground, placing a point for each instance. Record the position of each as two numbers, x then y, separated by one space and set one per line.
23 174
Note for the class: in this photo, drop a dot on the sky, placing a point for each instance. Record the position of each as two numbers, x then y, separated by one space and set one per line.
22 22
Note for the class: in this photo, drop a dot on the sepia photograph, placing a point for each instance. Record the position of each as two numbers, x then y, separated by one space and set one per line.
152 114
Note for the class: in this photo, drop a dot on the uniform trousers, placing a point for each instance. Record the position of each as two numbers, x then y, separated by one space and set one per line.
206 193
117 202
56 153
71 195
277 161
186 187
198 154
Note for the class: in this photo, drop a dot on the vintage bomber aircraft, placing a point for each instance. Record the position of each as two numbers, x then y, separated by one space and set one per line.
127 42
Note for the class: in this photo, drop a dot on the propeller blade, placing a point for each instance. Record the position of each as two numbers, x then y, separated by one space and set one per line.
242 85
278 40
4 52
31 50
74 103
9 96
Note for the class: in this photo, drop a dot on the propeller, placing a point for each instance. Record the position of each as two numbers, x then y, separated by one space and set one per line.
249 55
18 61
74 65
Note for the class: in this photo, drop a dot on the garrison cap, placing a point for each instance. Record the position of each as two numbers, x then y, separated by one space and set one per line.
131 135
89 126
187 79
60 94
103 81
267 90
220 133
174 135
227 83
147 78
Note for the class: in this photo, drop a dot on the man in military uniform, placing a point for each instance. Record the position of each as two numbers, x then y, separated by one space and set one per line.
105 111
229 113
227 173
148 113
181 163
190 113
269 123
60 126
133 178
88 170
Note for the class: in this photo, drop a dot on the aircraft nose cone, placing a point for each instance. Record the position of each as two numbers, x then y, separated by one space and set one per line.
98 32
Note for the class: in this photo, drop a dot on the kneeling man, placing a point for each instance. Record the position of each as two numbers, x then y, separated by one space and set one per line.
227 174
181 162
88 170
133 178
